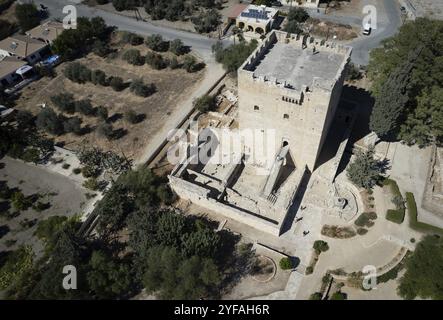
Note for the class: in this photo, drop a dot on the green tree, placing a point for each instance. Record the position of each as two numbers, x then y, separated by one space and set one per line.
155 42
207 21
27 16
365 171
320 246
424 271
108 277
417 122
424 125
16 263
295 17
233 56
133 56
6 29
205 103
177 47
173 277
391 103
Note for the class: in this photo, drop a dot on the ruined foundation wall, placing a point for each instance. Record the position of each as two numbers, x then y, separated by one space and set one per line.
199 196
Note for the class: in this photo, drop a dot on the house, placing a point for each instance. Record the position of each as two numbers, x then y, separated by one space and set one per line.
302 3
46 32
23 47
257 19
8 68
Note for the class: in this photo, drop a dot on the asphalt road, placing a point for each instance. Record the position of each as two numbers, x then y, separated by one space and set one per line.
199 43
389 20
388 23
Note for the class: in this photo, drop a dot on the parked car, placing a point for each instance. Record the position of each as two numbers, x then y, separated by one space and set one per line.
367 29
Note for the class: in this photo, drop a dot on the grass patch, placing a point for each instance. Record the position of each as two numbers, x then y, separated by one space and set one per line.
413 214
395 215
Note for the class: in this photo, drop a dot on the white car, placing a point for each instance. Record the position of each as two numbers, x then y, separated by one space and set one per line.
367 29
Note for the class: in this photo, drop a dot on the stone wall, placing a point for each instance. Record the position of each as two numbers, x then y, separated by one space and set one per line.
199 195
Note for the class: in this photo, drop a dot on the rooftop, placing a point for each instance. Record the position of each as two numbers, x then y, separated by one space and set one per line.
48 31
9 65
296 66
22 46
257 13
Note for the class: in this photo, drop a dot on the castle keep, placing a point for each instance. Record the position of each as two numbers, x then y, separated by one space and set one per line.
290 86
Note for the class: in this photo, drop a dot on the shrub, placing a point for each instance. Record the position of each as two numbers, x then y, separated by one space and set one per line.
48 120
84 107
174 64
31 155
365 219
285 263
362 231
130 116
41 206
337 232
91 184
155 42
190 64
131 38
102 113
354 72
132 56
155 60
398 201
89 171
19 201
98 77
100 48
309 270
117 83
72 125
143 90
176 46
106 130
205 103
320 246
339 296
77 72
315 296
66 166
64 102
76 171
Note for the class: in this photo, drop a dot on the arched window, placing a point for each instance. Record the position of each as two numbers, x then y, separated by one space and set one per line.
286 116
256 108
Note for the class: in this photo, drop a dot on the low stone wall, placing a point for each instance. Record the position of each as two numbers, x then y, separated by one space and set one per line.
200 196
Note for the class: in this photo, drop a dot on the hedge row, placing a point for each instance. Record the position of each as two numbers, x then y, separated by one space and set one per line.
395 215
413 217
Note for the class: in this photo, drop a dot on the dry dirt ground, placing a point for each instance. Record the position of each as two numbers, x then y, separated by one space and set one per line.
9 14
172 87
328 29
